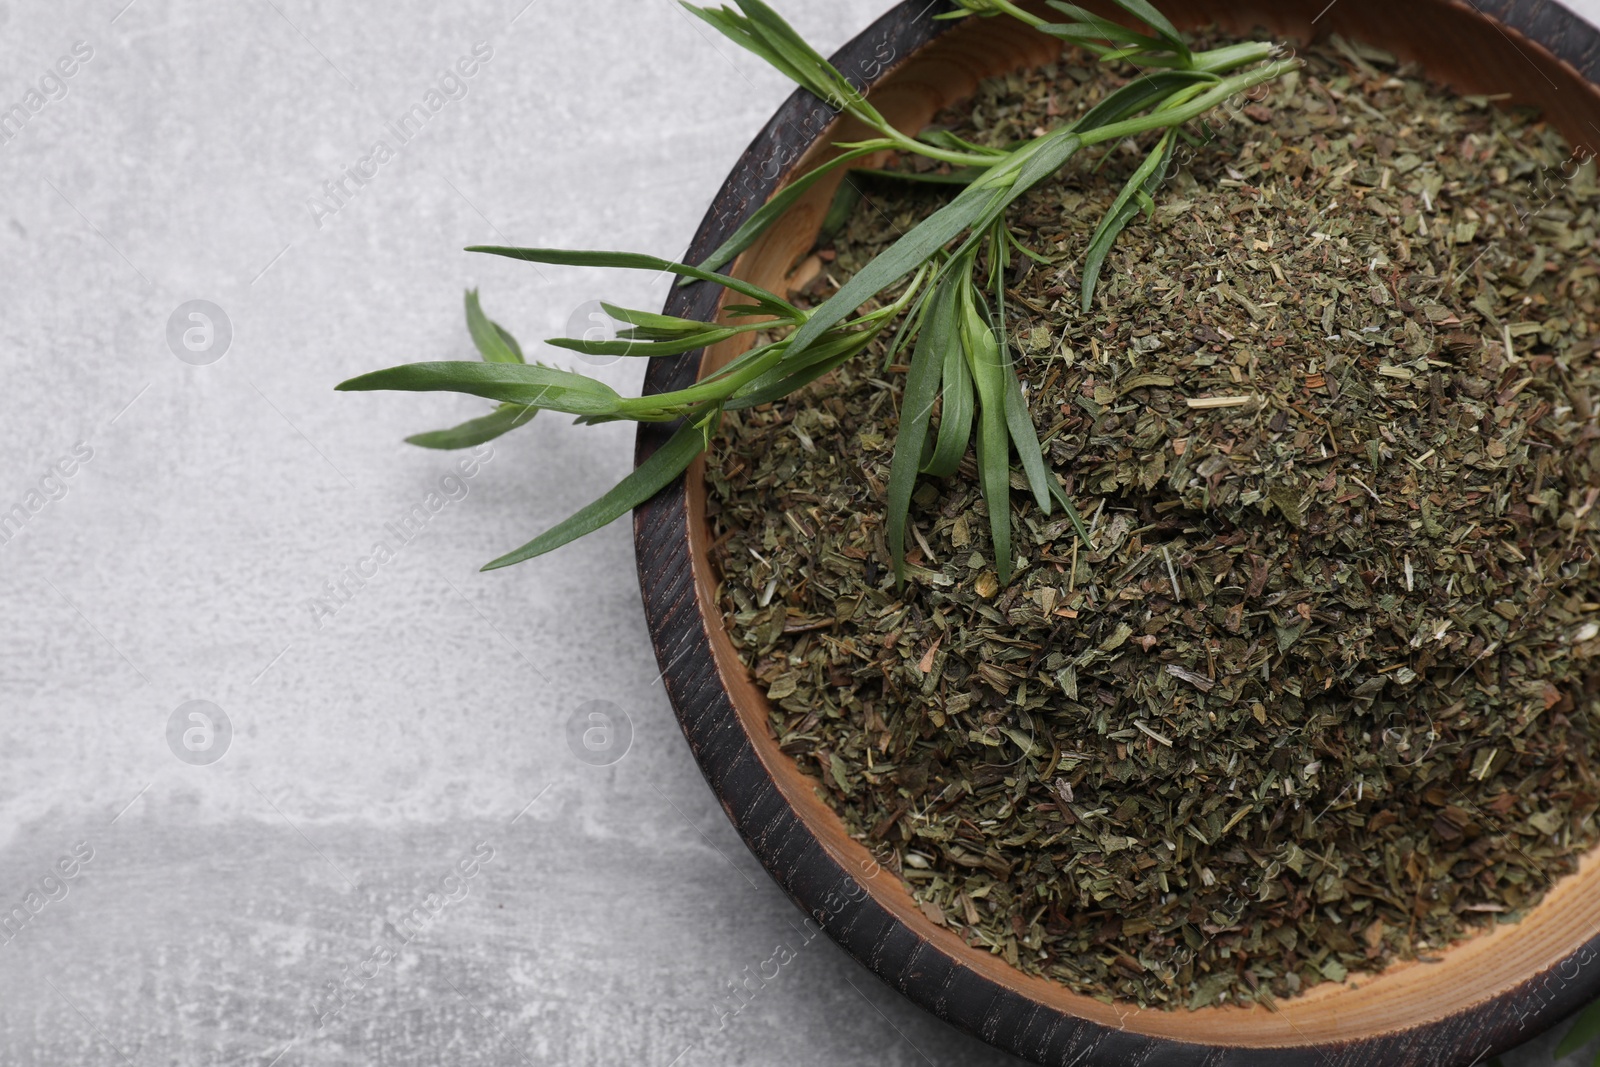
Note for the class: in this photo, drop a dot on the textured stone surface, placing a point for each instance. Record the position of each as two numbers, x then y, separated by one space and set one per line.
376 745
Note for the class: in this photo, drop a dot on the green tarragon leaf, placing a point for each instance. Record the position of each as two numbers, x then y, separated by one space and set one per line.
516 383
494 343
644 482
928 360
474 432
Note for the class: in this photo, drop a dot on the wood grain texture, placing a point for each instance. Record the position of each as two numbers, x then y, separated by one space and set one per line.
1486 995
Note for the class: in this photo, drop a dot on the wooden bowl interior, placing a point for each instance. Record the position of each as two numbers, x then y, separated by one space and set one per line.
1457 46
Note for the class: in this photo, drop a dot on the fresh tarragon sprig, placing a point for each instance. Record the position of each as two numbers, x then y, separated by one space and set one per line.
941 273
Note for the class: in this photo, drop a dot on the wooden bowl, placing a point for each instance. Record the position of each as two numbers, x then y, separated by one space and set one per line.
1484 995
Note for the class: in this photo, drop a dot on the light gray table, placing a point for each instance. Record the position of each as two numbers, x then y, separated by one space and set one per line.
198 496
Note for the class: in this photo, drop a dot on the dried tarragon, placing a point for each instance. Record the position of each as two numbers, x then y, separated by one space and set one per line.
1318 691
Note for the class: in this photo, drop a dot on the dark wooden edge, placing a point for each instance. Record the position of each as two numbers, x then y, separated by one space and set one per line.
826 890
1561 32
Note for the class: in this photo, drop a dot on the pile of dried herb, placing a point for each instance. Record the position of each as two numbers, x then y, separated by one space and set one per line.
1322 693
